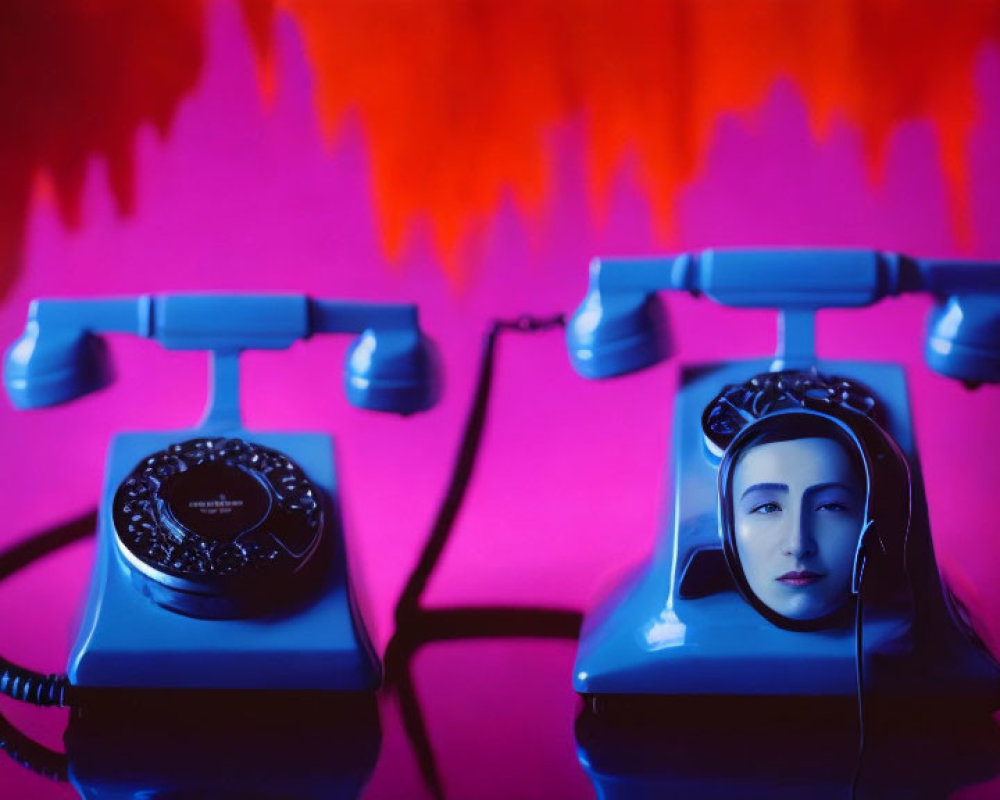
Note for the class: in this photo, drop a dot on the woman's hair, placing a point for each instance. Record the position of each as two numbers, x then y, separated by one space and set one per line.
792 427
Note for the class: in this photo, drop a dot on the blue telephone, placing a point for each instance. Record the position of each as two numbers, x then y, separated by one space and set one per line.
679 626
220 558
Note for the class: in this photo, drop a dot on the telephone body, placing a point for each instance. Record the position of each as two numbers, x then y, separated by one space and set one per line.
677 626
220 557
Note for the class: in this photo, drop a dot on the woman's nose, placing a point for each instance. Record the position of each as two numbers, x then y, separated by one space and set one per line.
799 541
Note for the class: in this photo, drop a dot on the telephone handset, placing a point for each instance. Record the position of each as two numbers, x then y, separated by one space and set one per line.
620 327
61 356
220 556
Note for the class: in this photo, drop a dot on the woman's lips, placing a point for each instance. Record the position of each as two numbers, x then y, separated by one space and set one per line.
797 578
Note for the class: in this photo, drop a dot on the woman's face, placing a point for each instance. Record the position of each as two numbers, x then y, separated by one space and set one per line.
797 515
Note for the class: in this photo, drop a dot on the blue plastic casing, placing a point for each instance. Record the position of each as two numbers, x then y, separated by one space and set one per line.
620 326
391 367
616 332
392 371
678 625
649 638
963 338
127 639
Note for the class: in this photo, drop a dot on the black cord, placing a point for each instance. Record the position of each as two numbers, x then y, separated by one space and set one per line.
449 624
32 687
859 665
27 685
32 755
416 626
416 727
496 622
16 681
465 462
41 544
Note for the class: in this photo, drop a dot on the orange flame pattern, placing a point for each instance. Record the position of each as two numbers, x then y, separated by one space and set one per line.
456 97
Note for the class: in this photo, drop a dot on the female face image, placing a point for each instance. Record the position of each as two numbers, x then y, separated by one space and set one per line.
797 515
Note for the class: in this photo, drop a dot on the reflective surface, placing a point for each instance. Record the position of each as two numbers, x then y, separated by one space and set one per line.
493 719
767 749
222 746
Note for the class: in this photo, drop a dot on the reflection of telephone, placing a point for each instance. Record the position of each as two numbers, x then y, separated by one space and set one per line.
724 751
678 627
220 558
224 745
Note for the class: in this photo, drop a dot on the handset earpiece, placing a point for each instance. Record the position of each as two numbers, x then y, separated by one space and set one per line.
392 370
963 338
60 357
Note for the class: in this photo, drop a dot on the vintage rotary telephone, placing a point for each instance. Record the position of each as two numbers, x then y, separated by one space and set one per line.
678 627
220 560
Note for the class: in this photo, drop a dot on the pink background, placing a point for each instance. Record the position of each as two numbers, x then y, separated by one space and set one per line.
243 191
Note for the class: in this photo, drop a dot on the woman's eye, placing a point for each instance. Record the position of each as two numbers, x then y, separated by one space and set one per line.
833 506
765 508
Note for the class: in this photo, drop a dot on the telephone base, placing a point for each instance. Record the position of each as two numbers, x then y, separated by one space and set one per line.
126 640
